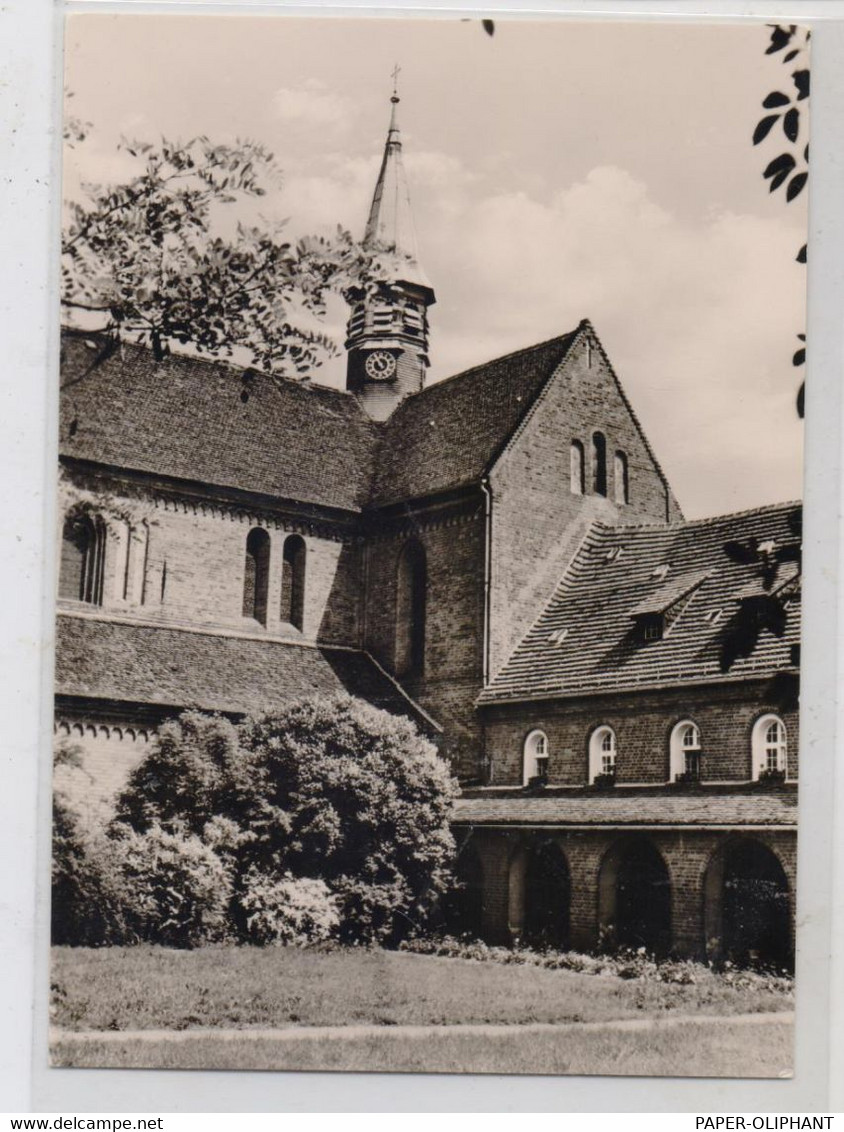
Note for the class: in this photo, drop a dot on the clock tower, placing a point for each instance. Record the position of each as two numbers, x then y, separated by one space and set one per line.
387 333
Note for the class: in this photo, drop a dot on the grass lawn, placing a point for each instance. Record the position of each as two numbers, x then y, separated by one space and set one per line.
138 988
714 1049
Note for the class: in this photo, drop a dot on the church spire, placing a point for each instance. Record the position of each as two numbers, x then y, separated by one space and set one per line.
390 225
387 336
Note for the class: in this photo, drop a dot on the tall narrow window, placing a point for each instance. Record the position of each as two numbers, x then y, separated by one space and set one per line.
411 587
602 753
685 752
622 481
256 576
535 757
83 559
293 581
599 463
770 747
577 476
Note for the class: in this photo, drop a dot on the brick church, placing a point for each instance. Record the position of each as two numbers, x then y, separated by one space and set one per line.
498 556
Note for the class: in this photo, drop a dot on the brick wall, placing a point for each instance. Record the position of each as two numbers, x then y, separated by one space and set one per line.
104 755
537 521
453 544
642 722
175 559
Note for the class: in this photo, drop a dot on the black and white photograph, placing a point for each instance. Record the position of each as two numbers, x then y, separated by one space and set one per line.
429 521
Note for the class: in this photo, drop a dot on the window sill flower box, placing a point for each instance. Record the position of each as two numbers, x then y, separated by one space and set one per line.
603 781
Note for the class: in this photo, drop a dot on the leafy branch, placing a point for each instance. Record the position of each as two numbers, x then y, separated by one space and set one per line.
790 168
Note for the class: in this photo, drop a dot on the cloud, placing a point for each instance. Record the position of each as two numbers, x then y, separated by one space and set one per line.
313 104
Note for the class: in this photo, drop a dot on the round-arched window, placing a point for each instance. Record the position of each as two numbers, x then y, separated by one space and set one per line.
685 751
769 746
535 761
602 753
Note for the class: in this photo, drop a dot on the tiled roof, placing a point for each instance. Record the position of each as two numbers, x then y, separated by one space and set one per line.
633 809
602 591
184 417
447 435
157 665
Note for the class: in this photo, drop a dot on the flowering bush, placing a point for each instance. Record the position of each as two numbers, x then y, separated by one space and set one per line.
289 910
177 890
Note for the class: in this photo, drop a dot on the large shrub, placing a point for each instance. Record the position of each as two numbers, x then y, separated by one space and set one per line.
177 889
87 906
328 789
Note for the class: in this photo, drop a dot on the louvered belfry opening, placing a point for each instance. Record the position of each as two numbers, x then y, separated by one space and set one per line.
411 600
256 578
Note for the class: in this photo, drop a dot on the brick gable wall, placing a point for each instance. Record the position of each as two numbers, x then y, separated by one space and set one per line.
537 522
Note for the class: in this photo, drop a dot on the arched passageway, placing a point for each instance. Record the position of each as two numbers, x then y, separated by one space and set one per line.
635 897
547 897
755 921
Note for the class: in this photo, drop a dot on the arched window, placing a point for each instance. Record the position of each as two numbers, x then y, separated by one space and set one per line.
602 753
770 747
685 752
256 578
83 559
599 463
411 595
622 482
577 469
293 581
535 762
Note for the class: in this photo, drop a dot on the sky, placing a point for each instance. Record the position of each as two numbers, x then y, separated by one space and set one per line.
558 170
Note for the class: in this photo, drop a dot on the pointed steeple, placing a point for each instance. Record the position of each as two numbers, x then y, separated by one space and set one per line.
390 227
387 335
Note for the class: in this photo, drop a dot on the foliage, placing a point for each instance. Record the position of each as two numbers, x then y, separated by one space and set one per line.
176 890
358 798
150 257
329 789
790 168
767 609
289 910
86 909
625 964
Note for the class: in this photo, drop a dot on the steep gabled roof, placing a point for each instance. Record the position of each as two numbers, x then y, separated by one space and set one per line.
447 435
587 638
186 417
161 666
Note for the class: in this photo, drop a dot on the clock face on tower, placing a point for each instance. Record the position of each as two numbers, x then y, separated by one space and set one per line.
380 365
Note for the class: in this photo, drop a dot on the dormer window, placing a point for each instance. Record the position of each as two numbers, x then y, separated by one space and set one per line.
652 627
